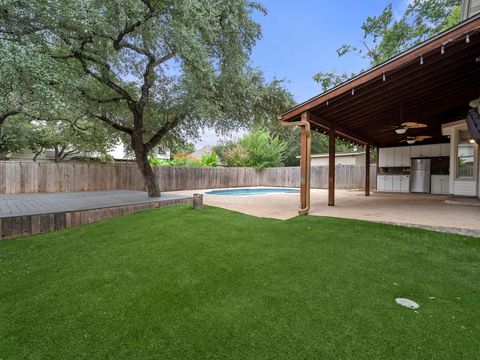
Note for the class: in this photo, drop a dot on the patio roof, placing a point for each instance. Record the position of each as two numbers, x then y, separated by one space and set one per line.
426 84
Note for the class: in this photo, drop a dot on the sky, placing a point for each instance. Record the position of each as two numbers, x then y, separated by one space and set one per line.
300 39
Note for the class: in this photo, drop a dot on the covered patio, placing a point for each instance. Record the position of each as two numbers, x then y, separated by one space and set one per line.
431 84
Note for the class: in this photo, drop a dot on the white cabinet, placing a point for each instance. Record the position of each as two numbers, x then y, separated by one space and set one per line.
402 156
394 157
386 157
445 149
384 183
393 183
382 157
439 149
388 183
439 184
404 183
381 183
421 151
435 150
396 183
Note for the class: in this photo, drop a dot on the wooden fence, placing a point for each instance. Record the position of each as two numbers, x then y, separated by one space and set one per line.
30 177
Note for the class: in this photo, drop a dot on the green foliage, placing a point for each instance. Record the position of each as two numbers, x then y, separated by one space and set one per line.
81 137
258 149
14 136
155 161
165 69
106 159
209 160
386 35
329 80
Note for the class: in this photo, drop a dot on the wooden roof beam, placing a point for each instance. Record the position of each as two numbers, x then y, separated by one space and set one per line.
316 120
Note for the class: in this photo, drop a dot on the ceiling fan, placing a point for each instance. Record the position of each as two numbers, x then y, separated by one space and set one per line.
403 126
413 139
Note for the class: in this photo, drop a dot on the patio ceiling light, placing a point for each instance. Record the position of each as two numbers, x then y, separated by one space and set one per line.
401 131
411 141
471 141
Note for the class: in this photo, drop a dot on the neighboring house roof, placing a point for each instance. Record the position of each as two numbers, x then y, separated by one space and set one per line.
325 155
198 154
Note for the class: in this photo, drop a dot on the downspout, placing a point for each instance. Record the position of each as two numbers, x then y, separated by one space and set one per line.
306 179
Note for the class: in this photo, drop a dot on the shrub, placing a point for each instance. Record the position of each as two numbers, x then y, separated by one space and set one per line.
257 149
209 160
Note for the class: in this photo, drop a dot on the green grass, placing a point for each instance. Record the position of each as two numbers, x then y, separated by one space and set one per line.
175 283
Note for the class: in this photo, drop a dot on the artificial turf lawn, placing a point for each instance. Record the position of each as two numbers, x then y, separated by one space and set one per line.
175 283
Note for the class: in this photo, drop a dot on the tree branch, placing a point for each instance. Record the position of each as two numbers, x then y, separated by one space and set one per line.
4 116
158 136
132 27
100 101
112 123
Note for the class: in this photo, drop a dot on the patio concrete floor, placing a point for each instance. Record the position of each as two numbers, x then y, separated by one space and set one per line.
417 210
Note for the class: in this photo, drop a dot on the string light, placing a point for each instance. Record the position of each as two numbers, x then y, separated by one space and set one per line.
443 49
327 102
353 91
467 39
384 77
421 59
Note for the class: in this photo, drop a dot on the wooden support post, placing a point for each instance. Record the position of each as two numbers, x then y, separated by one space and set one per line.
303 168
331 166
367 170
377 169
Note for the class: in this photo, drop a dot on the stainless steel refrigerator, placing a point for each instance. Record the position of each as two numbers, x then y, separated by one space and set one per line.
420 176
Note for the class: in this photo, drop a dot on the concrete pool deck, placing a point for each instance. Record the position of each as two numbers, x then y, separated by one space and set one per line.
417 210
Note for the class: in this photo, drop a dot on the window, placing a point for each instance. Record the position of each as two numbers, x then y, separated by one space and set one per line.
465 155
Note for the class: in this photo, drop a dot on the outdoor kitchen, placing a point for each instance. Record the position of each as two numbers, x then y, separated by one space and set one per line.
417 168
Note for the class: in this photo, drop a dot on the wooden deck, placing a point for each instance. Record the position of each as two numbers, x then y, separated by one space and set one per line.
30 214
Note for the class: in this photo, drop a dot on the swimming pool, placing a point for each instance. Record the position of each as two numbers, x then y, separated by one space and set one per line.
253 191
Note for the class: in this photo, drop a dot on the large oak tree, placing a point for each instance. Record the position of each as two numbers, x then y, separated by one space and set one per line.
156 71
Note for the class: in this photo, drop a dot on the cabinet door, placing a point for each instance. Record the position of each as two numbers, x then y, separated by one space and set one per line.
390 157
405 183
424 150
397 156
382 158
445 185
389 183
405 153
380 183
435 150
436 185
445 149
415 151
396 183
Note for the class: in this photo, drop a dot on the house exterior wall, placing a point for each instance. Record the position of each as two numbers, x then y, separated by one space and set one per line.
459 186
469 8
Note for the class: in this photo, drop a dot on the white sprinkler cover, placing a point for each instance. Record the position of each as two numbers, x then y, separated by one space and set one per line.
407 303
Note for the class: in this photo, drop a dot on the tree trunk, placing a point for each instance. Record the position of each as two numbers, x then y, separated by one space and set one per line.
56 156
141 157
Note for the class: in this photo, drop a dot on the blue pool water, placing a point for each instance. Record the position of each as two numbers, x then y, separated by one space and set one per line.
253 191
